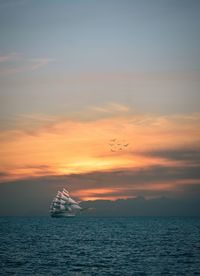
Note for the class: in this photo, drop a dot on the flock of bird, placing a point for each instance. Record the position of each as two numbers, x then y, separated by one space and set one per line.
116 145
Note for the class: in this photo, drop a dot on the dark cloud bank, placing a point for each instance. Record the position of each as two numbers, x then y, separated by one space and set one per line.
32 197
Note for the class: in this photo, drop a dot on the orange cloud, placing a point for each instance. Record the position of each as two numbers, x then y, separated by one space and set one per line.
130 191
74 146
94 194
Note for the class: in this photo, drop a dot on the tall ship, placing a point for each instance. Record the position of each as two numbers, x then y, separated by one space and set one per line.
64 206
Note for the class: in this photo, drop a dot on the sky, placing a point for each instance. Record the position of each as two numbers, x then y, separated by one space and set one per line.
76 75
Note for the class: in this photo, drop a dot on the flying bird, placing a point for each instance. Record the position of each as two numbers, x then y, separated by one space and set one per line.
116 145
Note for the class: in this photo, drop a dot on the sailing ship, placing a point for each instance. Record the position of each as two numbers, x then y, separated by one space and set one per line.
64 206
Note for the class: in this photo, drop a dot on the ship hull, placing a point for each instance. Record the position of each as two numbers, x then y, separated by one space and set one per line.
62 215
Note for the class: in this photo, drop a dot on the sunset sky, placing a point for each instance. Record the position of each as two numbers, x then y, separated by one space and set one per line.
75 75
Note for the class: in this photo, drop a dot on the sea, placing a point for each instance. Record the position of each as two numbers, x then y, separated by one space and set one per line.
100 246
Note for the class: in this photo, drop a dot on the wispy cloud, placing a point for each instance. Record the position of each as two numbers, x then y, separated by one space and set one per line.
188 155
10 57
16 63
111 108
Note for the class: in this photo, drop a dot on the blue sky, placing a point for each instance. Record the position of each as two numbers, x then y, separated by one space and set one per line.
104 35
66 56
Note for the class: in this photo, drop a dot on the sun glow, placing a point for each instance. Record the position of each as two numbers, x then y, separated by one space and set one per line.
99 193
66 147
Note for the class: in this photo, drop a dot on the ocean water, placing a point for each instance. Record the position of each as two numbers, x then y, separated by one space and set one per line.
100 246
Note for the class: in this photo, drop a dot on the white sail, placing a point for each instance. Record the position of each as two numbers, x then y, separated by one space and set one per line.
71 201
75 207
64 197
62 207
56 205
65 192
59 194
61 201
56 200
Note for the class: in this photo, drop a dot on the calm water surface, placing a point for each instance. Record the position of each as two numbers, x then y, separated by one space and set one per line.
100 246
